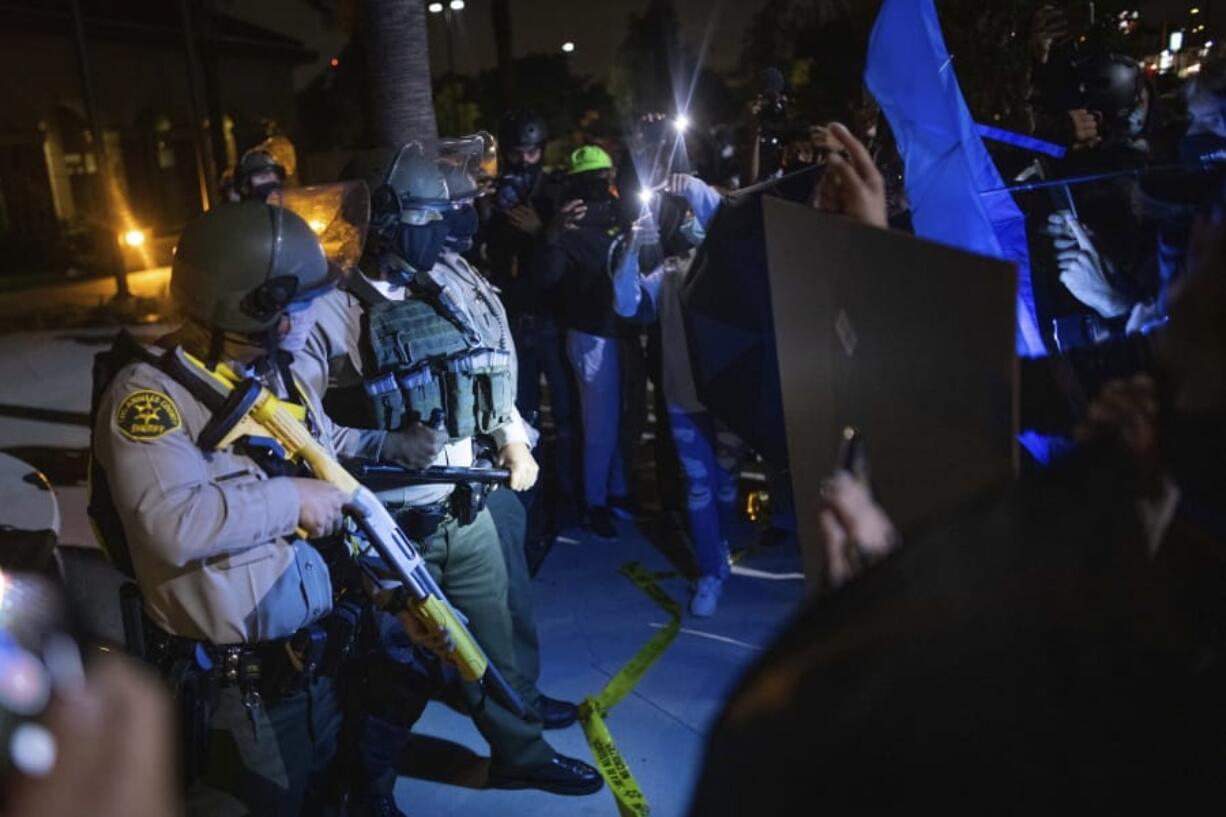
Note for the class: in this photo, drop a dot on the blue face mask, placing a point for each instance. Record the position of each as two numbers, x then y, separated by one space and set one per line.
462 224
422 245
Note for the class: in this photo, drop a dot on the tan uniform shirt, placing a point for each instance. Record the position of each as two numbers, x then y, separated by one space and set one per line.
211 537
333 356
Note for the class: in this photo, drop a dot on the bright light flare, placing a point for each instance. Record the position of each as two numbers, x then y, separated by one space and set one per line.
435 8
133 238
568 47
457 5
316 225
645 196
681 123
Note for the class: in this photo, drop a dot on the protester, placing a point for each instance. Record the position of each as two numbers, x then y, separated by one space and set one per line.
710 454
516 220
574 262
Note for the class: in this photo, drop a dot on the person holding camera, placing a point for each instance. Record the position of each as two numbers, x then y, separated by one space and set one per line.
574 267
517 218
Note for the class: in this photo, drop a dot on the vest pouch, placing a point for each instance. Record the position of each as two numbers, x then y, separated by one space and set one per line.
461 419
423 394
493 390
494 400
387 404
409 343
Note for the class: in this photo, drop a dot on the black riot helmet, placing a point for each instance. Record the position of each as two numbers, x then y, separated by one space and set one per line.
264 168
239 268
521 129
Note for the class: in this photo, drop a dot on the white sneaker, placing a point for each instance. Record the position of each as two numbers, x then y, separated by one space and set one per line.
706 596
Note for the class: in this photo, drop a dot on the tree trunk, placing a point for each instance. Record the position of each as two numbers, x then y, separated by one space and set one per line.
398 66
500 12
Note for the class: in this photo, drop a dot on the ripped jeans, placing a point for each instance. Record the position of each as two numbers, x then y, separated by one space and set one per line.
710 459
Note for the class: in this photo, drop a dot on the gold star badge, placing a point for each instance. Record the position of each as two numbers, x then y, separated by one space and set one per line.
147 415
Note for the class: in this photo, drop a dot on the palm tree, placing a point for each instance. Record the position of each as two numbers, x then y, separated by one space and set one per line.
398 68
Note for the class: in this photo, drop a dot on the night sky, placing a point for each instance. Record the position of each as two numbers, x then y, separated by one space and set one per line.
595 26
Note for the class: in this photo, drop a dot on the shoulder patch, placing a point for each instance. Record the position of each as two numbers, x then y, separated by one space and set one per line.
147 415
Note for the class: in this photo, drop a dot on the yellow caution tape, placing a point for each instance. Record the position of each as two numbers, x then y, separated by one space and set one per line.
594 709
630 798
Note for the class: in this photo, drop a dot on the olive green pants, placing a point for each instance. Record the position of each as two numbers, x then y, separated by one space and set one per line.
468 564
271 761
511 519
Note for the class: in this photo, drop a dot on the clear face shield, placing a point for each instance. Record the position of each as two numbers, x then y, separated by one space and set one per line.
339 214
470 164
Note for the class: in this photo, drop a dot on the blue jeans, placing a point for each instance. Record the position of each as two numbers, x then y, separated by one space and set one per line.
596 362
710 459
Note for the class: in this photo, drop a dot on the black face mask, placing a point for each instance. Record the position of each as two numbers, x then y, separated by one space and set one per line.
462 224
421 245
590 189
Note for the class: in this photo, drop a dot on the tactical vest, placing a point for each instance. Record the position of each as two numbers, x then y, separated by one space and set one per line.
418 362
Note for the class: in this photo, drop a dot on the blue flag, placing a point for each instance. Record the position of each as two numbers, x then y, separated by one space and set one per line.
947 168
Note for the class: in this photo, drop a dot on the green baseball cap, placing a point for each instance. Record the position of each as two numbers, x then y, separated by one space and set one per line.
588 158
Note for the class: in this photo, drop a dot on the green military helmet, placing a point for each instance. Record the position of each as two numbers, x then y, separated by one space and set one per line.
238 268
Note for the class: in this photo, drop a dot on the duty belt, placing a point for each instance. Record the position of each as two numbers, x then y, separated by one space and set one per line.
271 669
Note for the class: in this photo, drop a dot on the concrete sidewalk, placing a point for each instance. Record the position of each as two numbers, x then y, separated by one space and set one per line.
591 618
592 621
